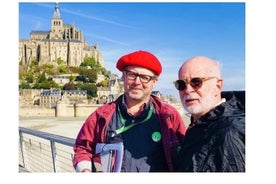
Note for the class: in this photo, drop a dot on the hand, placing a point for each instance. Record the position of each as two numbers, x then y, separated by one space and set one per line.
86 170
98 167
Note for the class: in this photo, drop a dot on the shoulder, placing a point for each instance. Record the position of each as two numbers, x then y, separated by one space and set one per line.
161 105
229 129
235 99
106 108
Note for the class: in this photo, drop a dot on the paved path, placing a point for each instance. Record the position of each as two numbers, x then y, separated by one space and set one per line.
63 126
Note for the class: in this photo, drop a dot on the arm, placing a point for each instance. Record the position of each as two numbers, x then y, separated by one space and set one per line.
85 145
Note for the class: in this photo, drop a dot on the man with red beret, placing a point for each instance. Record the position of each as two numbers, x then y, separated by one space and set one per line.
149 130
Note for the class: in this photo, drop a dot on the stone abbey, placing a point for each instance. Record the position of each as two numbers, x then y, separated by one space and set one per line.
62 41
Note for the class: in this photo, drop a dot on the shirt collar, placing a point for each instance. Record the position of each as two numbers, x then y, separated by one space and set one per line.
123 105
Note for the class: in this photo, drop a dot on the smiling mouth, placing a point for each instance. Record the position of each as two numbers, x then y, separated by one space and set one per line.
135 89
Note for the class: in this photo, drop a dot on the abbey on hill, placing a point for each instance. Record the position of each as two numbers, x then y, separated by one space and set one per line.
62 41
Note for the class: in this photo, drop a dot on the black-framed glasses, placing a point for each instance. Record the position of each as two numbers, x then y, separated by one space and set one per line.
195 82
143 78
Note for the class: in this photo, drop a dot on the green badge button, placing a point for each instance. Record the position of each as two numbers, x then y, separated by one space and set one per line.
156 136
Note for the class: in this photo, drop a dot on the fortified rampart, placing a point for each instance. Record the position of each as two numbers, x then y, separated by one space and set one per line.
67 110
61 110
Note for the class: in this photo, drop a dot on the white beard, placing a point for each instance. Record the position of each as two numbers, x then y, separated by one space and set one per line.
203 105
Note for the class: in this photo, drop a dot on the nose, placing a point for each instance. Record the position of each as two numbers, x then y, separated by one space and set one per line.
187 90
137 79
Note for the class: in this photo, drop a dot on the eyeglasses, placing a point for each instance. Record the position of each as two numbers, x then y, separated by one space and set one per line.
196 83
143 78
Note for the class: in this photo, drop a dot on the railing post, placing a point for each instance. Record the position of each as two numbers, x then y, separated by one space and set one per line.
54 155
72 158
23 151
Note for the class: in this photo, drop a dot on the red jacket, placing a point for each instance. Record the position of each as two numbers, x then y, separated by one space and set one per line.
95 127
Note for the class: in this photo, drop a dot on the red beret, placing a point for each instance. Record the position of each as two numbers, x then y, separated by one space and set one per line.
140 58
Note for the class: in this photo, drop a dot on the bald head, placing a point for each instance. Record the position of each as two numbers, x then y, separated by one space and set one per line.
201 85
199 66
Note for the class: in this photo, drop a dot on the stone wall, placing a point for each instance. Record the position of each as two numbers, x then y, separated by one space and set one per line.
62 110
36 112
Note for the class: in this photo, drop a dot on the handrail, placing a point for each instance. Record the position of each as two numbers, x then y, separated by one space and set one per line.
54 155
56 138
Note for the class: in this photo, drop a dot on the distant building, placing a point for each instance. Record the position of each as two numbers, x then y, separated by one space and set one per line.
75 95
50 97
62 42
61 80
112 92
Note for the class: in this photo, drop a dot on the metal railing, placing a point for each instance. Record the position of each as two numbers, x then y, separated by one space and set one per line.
45 152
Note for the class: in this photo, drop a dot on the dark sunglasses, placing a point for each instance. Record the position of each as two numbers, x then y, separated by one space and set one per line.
195 82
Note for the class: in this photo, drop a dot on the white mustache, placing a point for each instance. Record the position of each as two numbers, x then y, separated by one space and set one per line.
190 98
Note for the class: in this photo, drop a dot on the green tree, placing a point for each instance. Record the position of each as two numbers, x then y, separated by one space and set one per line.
92 63
73 69
42 78
49 69
72 78
89 74
91 90
81 78
103 83
29 77
34 64
69 86
48 84
63 69
59 61
24 85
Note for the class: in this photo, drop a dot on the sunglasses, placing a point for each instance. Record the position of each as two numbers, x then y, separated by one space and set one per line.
195 82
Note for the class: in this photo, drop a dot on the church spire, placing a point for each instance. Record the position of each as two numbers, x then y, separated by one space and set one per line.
57 29
56 12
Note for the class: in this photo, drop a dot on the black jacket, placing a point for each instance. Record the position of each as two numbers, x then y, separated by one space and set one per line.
216 142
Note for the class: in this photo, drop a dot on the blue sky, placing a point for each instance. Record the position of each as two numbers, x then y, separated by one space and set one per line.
173 32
